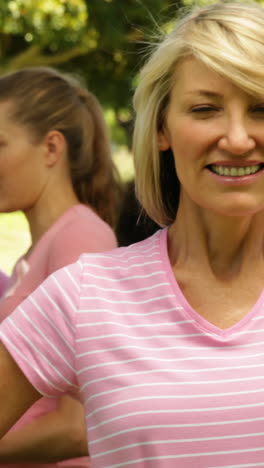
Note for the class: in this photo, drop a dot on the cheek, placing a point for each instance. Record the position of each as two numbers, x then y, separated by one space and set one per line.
184 147
6 176
190 142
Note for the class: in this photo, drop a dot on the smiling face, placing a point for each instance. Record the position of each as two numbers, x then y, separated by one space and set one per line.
23 174
216 133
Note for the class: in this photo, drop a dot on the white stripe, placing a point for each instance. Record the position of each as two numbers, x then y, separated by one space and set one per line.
127 278
167 348
173 426
38 352
80 262
72 278
51 323
247 332
55 305
152 241
175 371
209 369
172 397
110 301
174 360
64 293
138 314
247 465
127 258
50 343
170 384
124 325
112 268
122 252
173 411
125 291
189 455
123 257
131 337
23 357
136 247
177 441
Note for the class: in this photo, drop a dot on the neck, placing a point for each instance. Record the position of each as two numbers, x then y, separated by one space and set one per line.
47 210
224 245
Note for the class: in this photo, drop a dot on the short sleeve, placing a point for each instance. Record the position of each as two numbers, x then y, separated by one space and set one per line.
40 333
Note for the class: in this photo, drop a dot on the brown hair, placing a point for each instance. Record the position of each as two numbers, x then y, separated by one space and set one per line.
45 99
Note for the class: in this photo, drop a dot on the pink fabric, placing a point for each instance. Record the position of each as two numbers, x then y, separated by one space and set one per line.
3 282
78 230
162 387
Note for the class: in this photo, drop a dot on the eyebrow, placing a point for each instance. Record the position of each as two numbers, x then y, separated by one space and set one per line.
204 92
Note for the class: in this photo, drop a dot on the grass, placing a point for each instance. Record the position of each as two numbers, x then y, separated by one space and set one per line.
14 231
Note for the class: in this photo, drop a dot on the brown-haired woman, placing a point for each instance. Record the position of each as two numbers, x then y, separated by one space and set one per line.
56 167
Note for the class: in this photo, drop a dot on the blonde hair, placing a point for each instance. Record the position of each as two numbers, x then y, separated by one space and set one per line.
228 38
44 99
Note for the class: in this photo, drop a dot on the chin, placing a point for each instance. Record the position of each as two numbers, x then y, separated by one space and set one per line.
238 205
240 211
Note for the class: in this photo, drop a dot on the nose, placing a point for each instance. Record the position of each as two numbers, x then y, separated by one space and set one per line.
236 138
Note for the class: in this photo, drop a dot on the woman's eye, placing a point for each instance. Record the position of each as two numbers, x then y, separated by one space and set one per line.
203 109
259 109
203 112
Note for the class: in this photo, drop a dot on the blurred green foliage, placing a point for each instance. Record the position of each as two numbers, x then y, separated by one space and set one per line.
48 19
104 41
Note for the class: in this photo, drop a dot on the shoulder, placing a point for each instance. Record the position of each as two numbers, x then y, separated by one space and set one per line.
84 218
57 297
82 222
81 231
123 262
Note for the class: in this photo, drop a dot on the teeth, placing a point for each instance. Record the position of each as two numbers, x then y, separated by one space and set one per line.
235 171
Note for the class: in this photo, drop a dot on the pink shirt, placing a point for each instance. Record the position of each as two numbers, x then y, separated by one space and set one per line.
162 387
78 230
3 282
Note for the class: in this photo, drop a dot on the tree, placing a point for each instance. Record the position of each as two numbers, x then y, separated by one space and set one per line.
41 32
122 30
102 40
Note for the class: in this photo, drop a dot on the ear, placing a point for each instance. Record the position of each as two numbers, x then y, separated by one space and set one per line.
163 140
55 145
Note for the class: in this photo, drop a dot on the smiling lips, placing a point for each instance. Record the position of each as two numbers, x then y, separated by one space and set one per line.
235 171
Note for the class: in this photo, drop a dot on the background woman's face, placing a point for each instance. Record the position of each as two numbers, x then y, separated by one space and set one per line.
22 169
216 133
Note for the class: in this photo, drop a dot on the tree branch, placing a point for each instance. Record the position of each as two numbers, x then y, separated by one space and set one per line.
33 56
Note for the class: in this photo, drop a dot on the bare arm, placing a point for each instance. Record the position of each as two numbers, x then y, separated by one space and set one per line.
54 437
16 392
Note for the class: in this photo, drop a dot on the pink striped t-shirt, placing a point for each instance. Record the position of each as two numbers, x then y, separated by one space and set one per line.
162 387
79 229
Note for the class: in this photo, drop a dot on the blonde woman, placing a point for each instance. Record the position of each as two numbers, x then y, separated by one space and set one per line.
167 334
